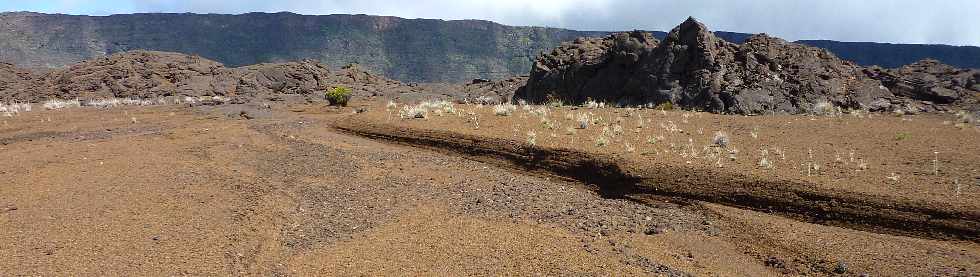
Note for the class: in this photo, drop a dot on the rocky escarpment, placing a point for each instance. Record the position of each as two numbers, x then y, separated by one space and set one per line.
150 74
695 69
410 50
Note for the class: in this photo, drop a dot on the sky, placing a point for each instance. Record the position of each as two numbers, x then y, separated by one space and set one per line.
955 22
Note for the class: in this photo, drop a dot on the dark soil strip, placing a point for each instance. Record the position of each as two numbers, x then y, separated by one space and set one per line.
792 199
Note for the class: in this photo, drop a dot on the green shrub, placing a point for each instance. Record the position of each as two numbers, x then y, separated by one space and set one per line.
338 96
666 106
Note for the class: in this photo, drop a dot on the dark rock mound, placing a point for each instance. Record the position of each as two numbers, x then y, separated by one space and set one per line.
478 91
596 68
929 80
14 81
305 77
150 74
137 74
492 91
695 69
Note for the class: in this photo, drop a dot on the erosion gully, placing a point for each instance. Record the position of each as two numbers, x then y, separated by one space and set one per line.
610 177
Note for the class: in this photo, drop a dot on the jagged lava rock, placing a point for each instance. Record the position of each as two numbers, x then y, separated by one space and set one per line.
588 68
695 69
13 81
151 74
929 80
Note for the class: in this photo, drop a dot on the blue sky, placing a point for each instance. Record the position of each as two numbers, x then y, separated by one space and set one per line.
954 22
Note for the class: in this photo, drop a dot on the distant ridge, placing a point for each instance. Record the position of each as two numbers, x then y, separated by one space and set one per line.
412 50
897 55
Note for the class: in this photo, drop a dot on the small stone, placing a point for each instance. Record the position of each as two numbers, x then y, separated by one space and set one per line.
775 262
654 230
841 267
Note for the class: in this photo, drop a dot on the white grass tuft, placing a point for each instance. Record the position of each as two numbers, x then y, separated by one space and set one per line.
594 105
541 111
583 120
765 162
824 108
485 100
601 141
504 109
720 139
57 104
417 111
532 138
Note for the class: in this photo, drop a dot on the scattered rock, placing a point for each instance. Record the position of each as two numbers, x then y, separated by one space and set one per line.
840 268
775 262
655 230
245 115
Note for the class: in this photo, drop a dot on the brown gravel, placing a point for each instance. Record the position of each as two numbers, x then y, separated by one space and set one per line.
195 192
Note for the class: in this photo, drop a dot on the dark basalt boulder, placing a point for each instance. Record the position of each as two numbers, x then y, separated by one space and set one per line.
588 68
692 68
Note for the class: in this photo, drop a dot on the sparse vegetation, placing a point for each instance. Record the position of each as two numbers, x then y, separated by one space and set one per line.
57 104
14 108
486 100
338 96
764 162
583 120
556 103
720 139
823 108
593 104
965 117
410 112
504 109
532 138
601 141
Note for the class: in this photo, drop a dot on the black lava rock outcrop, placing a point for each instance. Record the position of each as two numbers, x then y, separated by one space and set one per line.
695 69
930 80
588 68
